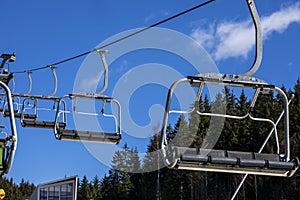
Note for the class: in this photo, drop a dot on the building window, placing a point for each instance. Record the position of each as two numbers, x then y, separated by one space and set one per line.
43 194
53 193
66 191
60 190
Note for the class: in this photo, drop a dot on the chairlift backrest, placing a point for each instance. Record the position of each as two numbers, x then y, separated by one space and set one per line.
31 105
278 164
65 133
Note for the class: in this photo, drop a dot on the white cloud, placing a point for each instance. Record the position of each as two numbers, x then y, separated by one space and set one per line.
89 85
236 39
279 21
204 36
149 18
152 17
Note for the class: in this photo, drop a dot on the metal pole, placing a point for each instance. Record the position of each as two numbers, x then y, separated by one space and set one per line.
14 137
260 150
163 137
258 38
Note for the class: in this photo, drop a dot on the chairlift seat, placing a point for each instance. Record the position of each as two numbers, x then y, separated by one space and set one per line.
273 161
89 136
6 112
17 114
41 124
62 133
246 159
233 161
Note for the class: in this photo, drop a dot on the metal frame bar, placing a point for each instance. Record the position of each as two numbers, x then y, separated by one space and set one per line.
260 150
258 38
258 86
73 97
14 136
24 108
35 100
238 170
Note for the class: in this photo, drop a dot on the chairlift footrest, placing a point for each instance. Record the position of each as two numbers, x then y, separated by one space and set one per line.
233 162
89 136
41 124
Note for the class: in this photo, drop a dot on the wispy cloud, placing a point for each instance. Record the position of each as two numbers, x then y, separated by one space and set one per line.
149 18
89 84
152 17
236 39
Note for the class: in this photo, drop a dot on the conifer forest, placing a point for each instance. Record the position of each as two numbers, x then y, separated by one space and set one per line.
165 184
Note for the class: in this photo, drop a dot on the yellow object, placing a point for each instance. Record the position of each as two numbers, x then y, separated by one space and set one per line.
2 194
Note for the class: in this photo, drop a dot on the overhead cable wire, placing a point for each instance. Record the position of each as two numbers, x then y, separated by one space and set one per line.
120 39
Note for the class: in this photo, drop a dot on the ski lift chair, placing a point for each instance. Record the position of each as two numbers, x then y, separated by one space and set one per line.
17 99
64 133
8 144
214 160
30 116
31 109
278 164
18 103
16 106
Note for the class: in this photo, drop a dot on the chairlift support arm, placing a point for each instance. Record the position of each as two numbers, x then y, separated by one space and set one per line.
30 82
105 84
258 38
55 80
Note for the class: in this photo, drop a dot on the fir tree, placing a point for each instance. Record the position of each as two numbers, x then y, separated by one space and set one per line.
84 192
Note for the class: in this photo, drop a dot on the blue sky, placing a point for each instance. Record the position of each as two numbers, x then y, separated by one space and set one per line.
44 32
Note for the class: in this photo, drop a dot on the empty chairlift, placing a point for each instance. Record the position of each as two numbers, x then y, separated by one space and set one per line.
38 111
65 133
8 136
17 99
279 163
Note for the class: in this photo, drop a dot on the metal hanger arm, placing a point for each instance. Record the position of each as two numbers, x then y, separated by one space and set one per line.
258 38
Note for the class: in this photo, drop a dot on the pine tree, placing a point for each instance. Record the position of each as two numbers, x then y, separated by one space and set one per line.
151 165
245 137
204 122
218 106
182 136
84 192
26 189
107 186
117 185
12 190
95 189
